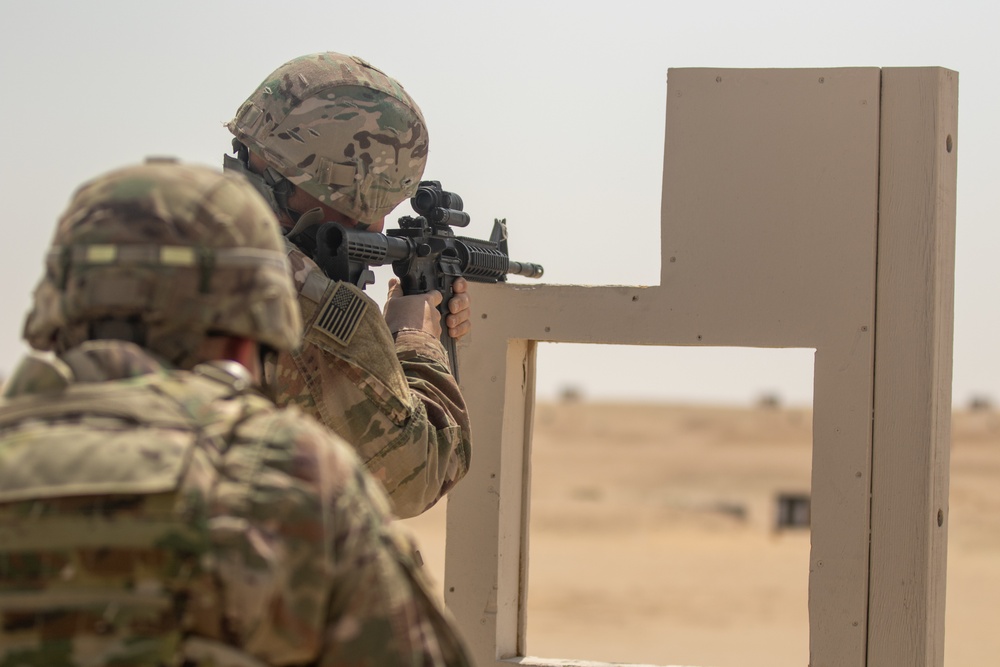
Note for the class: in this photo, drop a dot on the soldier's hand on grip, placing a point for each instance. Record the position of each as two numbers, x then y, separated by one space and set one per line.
413 311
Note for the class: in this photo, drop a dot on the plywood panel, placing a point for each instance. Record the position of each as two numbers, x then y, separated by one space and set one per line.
769 205
769 239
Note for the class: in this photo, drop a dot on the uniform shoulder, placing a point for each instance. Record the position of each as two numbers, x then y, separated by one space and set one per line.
301 265
297 444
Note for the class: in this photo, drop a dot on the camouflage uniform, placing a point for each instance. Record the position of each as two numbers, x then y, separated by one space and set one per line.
229 524
156 515
351 137
403 413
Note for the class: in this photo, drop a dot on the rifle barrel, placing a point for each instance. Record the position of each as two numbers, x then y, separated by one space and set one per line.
526 269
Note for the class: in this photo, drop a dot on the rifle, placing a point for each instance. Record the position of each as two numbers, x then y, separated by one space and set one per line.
424 252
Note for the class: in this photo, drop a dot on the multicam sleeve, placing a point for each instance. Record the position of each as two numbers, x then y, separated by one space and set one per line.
313 568
381 610
393 400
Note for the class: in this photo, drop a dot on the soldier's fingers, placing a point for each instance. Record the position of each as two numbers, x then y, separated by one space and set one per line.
395 289
434 298
460 285
459 302
460 329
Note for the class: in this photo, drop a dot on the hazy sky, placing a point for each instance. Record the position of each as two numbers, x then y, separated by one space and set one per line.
550 115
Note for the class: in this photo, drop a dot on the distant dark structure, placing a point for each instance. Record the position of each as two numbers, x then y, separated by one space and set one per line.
792 511
571 394
981 403
769 401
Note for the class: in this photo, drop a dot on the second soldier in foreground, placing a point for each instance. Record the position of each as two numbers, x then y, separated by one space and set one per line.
154 507
328 137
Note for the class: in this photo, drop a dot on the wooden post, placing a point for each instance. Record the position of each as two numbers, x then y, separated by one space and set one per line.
913 356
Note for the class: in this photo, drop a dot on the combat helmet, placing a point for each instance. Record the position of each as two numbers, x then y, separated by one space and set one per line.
338 128
164 254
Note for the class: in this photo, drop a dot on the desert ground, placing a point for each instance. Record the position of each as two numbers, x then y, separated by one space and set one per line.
653 537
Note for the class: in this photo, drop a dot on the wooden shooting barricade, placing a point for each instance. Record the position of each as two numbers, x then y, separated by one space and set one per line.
805 208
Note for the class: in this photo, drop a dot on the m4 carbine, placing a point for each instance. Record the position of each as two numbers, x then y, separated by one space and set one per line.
424 252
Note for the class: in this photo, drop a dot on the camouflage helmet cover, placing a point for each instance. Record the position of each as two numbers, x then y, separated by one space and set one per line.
179 251
341 130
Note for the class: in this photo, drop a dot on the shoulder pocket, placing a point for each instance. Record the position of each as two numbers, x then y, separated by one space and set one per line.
99 443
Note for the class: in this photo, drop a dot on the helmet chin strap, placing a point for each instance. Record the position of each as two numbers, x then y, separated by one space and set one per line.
274 187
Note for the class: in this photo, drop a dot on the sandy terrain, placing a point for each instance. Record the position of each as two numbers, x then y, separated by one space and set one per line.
653 541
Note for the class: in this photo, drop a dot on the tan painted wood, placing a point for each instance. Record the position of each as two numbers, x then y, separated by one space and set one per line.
485 576
913 357
768 238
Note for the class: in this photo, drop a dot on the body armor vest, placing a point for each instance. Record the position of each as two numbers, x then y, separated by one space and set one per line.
105 551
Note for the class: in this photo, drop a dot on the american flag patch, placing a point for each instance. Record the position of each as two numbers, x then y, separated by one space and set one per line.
341 314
